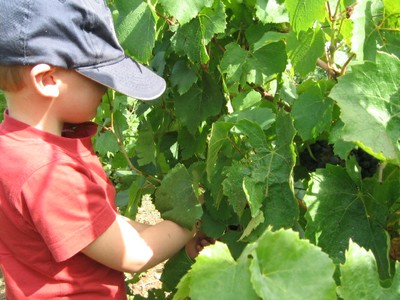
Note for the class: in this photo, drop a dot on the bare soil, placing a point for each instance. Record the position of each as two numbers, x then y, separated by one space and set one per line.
151 279
148 280
2 289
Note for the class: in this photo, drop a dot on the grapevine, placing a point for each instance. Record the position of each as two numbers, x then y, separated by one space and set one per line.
283 116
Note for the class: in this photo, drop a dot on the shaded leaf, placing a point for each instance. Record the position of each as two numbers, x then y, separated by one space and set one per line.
178 204
145 147
233 186
281 208
219 136
254 67
195 106
340 210
174 269
136 28
183 77
312 112
105 143
262 116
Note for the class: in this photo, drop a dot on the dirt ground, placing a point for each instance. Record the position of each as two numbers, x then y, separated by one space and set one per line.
2 291
148 280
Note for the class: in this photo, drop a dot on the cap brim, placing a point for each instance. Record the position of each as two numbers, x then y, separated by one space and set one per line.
127 77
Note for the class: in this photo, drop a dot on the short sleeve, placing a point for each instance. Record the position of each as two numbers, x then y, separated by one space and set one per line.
68 206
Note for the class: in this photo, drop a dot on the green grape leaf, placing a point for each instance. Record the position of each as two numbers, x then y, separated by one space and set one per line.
211 227
305 49
288 90
145 147
312 112
174 269
360 279
254 134
183 77
364 36
369 98
234 62
246 100
392 41
106 142
262 116
390 34
233 186
392 13
135 28
281 208
135 193
178 204
259 36
254 67
238 186
188 40
339 209
271 11
266 61
184 11
198 104
254 192
303 13
192 38
183 288
277 265
219 136
216 275
263 179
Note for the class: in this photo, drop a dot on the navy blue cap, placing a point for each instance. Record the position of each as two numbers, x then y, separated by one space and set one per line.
73 34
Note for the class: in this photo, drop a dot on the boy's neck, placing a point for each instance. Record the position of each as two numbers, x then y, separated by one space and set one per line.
34 113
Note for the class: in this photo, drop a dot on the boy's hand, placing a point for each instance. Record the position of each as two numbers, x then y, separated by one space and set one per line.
197 243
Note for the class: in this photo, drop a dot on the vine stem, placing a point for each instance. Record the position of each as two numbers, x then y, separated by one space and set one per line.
170 22
131 166
119 138
347 63
332 47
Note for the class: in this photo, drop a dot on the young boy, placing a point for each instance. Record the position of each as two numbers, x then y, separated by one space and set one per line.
60 234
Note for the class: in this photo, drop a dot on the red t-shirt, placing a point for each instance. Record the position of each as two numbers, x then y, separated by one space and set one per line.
55 199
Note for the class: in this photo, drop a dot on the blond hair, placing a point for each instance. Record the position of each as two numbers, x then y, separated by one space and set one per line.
12 78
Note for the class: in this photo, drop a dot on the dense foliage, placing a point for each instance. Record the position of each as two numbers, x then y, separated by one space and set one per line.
279 129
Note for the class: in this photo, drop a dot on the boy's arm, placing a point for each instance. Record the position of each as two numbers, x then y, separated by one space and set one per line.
125 248
138 226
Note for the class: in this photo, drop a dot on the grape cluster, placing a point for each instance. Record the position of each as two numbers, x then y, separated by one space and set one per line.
367 163
321 154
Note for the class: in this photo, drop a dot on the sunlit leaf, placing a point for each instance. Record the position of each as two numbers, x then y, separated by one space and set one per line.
304 13
360 279
369 99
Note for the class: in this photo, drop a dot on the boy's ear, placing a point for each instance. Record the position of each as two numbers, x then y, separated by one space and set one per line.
42 77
